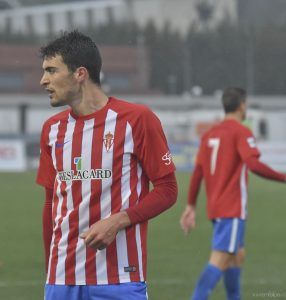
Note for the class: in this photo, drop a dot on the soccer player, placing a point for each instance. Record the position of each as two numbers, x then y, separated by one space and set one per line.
226 153
97 159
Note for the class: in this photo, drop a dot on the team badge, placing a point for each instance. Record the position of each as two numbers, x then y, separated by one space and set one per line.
108 141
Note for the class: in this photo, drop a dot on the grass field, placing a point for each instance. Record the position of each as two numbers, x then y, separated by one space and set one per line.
174 261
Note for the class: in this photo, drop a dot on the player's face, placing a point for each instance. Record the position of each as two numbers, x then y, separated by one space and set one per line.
59 82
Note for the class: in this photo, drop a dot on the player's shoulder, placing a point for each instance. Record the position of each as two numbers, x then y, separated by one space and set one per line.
63 115
242 129
214 130
130 109
235 127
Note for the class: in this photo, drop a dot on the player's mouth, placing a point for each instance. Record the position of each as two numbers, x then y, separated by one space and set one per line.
51 93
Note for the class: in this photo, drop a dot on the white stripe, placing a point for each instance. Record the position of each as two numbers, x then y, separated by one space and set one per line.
139 176
121 242
243 192
105 198
233 237
122 256
63 243
83 213
126 168
52 141
138 234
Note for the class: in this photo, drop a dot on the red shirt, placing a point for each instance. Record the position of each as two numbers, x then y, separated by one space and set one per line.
98 165
222 155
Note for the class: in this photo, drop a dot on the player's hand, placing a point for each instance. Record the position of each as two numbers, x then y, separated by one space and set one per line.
188 219
102 233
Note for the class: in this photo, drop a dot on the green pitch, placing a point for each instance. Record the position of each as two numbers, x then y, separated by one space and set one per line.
174 261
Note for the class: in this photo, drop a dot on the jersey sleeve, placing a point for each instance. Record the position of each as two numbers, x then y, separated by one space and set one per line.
46 171
247 144
151 146
200 153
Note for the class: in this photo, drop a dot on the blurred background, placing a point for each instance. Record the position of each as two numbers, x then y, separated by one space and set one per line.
174 56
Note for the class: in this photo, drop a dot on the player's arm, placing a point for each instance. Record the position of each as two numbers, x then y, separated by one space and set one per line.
261 169
47 224
250 155
188 218
163 196
45 177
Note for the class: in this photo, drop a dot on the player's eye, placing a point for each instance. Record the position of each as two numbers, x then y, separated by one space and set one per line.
51 70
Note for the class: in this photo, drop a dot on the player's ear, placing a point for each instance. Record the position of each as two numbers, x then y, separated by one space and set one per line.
242 106
81 74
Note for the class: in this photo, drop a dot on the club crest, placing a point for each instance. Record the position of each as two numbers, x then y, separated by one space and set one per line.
108 141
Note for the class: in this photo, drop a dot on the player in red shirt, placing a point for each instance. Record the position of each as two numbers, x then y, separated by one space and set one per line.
97 159
226 153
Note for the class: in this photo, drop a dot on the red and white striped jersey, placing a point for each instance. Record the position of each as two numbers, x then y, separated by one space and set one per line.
98 165
222 155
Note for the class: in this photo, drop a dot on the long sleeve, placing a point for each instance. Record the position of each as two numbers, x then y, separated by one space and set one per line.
195 184
163 196
263 170
47 224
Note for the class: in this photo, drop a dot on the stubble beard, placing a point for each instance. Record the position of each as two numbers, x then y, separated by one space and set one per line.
58 103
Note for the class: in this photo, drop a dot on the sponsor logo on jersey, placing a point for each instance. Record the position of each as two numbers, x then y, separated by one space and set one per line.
167 158
108 141
77 162
83 174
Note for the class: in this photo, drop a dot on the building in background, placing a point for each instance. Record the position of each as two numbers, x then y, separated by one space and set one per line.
48 19
125 69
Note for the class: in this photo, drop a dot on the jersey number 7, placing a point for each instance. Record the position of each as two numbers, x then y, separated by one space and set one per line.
214 144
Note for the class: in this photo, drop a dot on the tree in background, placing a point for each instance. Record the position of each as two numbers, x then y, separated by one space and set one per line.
211 58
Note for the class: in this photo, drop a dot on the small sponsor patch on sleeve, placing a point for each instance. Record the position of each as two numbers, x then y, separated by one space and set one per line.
167 158
130 269
251 142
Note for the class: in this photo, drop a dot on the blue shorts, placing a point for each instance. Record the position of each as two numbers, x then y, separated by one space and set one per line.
228 234
123 291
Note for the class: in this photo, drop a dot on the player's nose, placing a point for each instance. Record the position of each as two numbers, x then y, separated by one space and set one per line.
44 80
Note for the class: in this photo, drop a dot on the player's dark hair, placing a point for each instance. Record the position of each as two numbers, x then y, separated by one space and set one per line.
232 97
77 50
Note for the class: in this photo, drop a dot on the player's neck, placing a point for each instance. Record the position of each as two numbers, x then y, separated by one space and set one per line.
92 99
234 116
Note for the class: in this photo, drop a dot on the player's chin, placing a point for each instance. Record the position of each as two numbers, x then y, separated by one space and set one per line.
55 102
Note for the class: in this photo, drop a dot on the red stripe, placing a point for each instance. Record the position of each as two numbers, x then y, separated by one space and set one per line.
132 250
94 206
58 233
77 199
54 214
143 232
116 201
143 226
